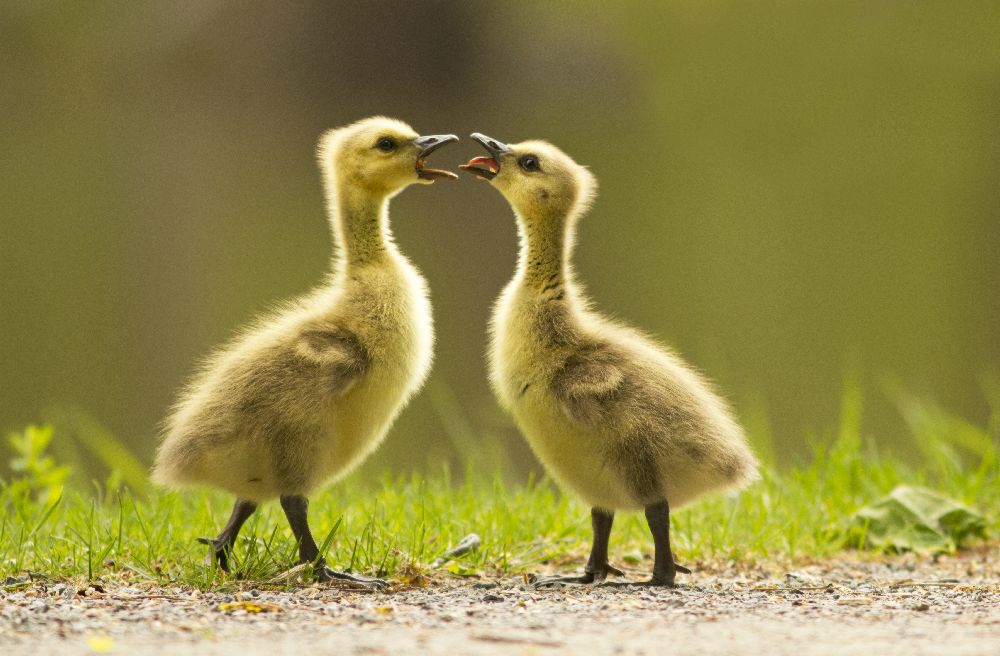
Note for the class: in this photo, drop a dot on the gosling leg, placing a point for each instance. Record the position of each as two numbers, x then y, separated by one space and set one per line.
665 568
296 509
222 546
598 568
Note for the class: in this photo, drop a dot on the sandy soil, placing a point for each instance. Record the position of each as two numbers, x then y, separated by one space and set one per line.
903 605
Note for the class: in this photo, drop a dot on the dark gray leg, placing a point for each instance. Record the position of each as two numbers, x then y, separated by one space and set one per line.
296 509
222 546
597 565
597 568
664 568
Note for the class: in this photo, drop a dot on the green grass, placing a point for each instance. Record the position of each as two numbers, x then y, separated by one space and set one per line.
397 526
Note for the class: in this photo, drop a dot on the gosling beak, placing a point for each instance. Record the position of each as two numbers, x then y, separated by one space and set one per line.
427 145
486 167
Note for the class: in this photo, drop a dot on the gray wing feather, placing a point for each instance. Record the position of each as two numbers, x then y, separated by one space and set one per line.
586 383
339 354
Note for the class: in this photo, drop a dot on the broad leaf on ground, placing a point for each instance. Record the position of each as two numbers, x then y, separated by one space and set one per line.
915 519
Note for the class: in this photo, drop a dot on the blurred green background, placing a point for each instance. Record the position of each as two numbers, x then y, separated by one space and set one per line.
792 194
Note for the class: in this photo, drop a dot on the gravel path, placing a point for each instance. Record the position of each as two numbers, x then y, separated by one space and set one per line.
902 605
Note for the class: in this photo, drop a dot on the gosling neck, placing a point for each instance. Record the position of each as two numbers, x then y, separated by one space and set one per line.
360 220
544 257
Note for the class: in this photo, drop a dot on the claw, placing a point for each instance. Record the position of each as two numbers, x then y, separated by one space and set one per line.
614 570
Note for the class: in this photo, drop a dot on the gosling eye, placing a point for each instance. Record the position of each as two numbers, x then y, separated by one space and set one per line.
386 144
529 163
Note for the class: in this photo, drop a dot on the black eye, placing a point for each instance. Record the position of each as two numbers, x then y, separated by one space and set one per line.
386 144
529 163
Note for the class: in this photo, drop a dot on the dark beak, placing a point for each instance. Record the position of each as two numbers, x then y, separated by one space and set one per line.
492 146
427 145
486 168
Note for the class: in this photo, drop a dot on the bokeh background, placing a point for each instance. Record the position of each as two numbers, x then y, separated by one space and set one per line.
793 195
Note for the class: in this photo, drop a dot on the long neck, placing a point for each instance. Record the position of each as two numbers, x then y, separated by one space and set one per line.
544 259
360 223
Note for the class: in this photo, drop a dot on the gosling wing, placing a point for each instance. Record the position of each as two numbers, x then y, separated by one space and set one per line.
586 383
338 353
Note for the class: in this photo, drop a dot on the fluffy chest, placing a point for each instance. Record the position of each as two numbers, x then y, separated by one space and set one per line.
390 311
526 346
571 453
391 315
531 339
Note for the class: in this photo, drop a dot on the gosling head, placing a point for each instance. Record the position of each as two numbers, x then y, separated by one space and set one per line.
381 155
541 182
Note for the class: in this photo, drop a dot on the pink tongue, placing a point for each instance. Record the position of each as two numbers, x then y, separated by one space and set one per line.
485 161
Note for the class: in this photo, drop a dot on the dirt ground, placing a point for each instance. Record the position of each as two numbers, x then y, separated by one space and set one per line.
901 605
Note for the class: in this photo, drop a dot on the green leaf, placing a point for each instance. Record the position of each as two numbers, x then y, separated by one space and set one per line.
915 519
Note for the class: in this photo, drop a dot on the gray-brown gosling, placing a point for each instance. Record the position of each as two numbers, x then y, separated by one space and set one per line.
614 417
306 393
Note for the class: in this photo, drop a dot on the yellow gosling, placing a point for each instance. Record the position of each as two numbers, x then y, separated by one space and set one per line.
306 393
615 418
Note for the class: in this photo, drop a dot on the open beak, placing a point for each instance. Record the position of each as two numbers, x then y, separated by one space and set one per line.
428 144
486 167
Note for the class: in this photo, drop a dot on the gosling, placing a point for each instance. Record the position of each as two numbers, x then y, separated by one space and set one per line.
614 417
306 393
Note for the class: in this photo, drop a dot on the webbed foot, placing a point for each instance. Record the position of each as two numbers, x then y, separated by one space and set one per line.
663 579
325 574
655 582
589 577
